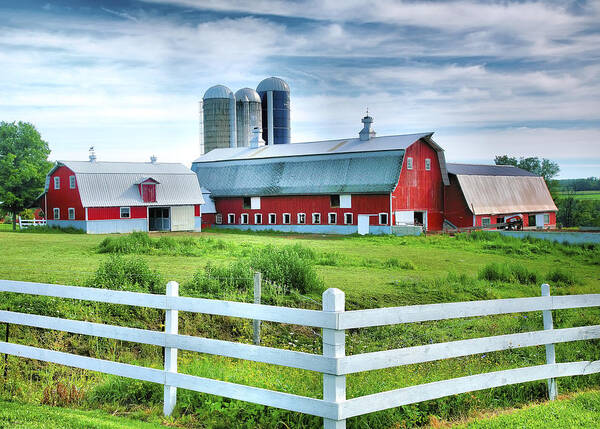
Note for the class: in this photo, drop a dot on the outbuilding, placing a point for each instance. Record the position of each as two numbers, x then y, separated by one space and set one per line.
108 197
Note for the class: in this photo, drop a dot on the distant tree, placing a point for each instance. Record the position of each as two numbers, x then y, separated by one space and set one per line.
23 166
540 167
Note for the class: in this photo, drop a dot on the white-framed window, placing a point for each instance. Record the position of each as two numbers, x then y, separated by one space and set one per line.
332 218
348 218
316 218
546 219
219 218
255 203
231 218
71 182
427 164
56 213
244 219
345 201
409 163
71 213
383 218
301 218
272 218
57 183
287 218
257 218
125 212
485 222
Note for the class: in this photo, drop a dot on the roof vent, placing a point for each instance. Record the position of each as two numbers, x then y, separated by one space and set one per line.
92 154
367 133
256 139
153 159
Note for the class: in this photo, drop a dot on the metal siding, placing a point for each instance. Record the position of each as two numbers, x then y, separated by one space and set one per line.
506 194
487 170
182 218
64 198
116 226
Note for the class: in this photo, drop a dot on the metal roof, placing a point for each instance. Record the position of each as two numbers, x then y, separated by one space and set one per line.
273 84
487 170
367 172
209 204
217 91
487 194
247 94
109 184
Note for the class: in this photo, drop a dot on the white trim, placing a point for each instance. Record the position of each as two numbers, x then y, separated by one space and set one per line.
427 164
409 163
128 213
489 219
256 216
289 219
274 215
218 218
329 218
69 211
56 183
231 218
244 219
72 183
546 215
383 214
298 218
351 219
316 215
86 213
56 210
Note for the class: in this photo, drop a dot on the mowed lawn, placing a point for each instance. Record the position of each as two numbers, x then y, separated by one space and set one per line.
582 195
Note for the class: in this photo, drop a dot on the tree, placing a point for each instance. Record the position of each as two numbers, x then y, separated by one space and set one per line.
23 166
540 167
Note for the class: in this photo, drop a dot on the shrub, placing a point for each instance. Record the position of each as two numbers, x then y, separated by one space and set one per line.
122 273
559 276
136 242
217 281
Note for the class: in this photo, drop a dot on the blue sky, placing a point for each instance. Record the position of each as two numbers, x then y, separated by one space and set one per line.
519 78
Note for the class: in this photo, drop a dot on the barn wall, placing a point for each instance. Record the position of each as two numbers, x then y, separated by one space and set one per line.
105 213
64 198
455 205
551 224
419 189
308 204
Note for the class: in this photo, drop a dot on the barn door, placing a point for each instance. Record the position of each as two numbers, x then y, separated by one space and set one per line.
363 224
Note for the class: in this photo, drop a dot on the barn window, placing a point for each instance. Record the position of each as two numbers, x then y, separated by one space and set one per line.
348 218
257 218
272 218
219 218
301 218
332 218
546 219
247 202
72 182
71 213
383 218
244 219
231 218
531 220
485 222
255 203
125 212
409 163
345 201
149 193
287 218
316 218
57 183
427 164
334 200
56 213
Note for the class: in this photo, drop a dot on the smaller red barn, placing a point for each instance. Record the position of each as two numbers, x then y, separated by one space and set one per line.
482 195
107 197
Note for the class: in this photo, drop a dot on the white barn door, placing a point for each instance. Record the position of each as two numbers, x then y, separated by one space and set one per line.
182 218
363 224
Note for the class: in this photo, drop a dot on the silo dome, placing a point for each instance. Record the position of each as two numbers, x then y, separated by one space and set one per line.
217 91
247 94
273 84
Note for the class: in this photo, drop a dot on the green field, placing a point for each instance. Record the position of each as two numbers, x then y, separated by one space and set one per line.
372 271
582 195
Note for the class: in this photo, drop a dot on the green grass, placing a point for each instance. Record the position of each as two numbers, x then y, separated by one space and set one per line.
581 411
582 195
27 416
372 271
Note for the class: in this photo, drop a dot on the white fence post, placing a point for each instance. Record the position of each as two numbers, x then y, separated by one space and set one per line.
171 327
334 345
256 322
550 355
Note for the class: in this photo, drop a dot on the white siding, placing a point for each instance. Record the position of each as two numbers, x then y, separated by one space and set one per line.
182 218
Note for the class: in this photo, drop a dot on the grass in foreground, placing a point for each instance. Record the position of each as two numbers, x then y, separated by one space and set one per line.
26 416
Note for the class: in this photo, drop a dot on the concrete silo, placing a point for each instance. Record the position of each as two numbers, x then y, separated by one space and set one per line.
248 115
275 97
218 113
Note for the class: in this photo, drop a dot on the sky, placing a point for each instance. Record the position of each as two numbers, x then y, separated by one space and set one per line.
520 78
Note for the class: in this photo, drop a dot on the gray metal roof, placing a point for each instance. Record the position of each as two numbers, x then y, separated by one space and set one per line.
209 204
108 184
273 84
366 172
217 91
487 170
247 94
326 147
487 194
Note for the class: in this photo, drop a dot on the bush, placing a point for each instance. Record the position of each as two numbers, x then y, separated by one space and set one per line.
561 277
122 273
218 281
136 242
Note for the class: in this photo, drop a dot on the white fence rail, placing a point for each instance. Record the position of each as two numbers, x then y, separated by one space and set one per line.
334 408
26 223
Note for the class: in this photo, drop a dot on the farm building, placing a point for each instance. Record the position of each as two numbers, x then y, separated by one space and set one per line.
106 197
368 184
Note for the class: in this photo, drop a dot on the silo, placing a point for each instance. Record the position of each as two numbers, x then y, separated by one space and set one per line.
275 97
218 105
248 115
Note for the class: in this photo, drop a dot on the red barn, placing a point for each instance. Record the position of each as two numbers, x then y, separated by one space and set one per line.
367 184
106 197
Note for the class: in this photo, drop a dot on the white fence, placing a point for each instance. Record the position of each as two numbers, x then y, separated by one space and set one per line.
334 408
26 223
